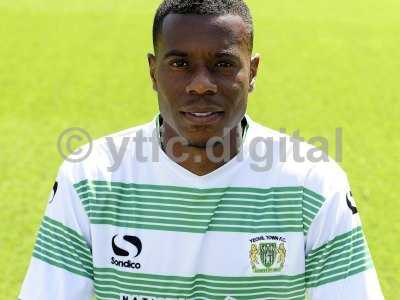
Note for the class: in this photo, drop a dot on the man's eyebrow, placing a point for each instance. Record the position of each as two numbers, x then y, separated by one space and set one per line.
175 53
226 53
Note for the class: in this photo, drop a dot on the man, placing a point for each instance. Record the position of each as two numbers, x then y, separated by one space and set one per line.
195 213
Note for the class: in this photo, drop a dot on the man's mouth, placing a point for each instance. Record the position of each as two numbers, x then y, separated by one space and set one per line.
203 118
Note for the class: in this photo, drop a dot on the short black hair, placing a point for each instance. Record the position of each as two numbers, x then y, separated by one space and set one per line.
203 8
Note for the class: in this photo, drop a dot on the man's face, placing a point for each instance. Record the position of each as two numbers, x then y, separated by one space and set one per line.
202 73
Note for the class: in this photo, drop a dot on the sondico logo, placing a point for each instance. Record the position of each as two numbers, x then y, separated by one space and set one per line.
133 240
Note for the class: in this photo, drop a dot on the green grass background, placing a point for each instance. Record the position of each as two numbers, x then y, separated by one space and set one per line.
325 64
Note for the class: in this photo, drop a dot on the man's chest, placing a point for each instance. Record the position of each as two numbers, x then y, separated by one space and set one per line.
185 265
209 244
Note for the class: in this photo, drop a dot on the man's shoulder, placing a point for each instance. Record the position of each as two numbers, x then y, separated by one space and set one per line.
294 161
281 140
99 157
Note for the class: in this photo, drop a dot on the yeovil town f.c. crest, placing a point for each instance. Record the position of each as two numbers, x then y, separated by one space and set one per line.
267 254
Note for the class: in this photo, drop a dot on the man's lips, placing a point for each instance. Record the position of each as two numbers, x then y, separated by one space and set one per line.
203 117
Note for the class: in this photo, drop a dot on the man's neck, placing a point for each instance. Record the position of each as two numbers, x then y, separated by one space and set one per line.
202 160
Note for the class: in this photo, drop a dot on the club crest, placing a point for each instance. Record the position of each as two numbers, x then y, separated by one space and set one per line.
267 254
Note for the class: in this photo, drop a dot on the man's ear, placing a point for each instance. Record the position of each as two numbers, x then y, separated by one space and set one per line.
152 67
254 63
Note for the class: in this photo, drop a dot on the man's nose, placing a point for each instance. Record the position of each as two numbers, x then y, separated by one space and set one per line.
201 83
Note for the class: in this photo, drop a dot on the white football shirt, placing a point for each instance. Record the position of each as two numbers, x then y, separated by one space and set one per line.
258 227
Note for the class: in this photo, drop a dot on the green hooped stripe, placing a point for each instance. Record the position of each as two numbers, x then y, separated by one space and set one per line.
110 284
172 208
345 255
63 247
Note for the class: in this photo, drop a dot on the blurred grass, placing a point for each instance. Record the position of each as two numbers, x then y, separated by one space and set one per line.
324 65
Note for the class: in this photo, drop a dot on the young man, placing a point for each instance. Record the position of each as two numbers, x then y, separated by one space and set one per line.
196 213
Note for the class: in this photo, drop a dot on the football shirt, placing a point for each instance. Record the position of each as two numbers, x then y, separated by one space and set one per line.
143 227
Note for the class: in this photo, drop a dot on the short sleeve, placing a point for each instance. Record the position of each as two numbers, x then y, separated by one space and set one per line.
338 262
61 266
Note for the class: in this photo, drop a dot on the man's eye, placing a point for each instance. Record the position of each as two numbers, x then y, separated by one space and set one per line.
224 64
179 63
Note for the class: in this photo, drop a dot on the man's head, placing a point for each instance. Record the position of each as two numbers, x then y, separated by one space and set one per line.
202 64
